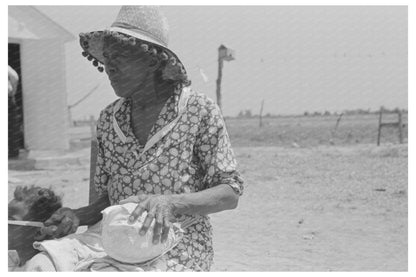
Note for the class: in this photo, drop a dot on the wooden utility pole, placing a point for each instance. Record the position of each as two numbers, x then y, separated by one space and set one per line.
224 54
219 98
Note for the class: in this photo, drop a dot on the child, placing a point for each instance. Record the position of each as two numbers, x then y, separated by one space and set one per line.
29 204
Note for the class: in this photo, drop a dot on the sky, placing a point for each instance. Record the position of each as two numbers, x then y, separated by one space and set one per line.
295 58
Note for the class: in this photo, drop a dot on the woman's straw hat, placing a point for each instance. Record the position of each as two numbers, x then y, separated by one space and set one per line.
134 25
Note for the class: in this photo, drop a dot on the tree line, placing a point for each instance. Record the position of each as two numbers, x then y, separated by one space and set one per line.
248 114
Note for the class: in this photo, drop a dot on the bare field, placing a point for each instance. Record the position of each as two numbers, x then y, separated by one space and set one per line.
315 205
306 131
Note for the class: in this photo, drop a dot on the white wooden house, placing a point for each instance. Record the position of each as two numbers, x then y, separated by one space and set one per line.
36 48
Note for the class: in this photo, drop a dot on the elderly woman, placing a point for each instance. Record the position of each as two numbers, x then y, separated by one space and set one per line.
160 145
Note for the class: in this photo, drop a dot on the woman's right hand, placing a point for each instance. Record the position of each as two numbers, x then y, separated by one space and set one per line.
63 222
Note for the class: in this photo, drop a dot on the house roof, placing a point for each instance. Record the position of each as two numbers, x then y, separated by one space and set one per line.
27 22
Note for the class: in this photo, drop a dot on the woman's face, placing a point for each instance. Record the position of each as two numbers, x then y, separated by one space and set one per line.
127 67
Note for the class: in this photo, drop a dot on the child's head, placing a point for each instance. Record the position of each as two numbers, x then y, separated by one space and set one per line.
33 204
29 204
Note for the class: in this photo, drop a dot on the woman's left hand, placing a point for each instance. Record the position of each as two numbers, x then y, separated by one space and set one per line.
158 207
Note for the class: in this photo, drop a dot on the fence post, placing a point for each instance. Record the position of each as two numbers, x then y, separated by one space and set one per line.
93 195
261 114
399 112
379 126
92 126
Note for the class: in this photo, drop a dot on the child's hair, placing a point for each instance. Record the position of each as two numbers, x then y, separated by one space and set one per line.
41 203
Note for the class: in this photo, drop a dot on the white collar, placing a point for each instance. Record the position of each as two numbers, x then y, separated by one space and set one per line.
183 101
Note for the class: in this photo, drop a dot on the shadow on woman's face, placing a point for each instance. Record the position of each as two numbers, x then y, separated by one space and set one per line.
127 66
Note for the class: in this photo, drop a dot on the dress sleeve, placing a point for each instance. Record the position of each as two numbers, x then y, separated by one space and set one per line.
214 152
101 176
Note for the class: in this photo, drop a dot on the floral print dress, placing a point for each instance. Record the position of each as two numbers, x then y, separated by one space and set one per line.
188 150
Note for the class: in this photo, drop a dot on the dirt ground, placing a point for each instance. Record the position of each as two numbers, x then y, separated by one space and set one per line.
324 208
318 209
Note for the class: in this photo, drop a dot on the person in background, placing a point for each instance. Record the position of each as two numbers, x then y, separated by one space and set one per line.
13 82
13 116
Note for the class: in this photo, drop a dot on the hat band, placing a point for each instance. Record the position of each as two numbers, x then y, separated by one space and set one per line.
135 32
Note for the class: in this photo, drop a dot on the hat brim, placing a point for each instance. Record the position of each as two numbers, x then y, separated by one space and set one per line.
95 42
